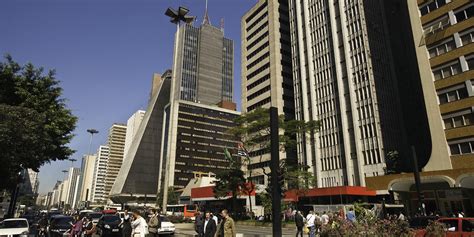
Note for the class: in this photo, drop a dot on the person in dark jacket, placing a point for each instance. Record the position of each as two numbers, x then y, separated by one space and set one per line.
299 221
126 225
199 224
209 227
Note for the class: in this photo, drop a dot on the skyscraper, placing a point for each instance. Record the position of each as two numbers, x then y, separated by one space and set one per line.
345 77
116 144
100 171
133 123
204 65
72 186
266 69
87 177
448 34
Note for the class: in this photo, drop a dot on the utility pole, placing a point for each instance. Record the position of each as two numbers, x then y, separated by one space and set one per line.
275 167
92 132
177 16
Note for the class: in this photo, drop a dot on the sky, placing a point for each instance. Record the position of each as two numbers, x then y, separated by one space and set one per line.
104 53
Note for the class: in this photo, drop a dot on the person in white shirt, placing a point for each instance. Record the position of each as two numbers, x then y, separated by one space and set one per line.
324 218
139 225
209 228
310 218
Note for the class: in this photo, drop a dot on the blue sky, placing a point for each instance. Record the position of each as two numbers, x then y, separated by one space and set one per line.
105 53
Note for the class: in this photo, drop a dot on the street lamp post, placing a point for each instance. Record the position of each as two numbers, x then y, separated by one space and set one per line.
92 132
176 16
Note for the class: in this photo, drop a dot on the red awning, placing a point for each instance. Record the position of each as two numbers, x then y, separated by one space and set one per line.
208 192
292 195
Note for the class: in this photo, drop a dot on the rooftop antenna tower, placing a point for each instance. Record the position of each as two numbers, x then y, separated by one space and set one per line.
222 25
206 20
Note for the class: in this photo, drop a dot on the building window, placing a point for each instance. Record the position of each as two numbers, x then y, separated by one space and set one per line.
467 36
453 95
432 6
470 62
447 70
464 14
442 48
436 25
461 148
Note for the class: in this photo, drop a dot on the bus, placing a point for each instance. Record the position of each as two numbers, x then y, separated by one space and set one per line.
185 210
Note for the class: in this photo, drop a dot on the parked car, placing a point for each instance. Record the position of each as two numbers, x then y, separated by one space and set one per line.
95 216
15 227
167 228
59 224
109 225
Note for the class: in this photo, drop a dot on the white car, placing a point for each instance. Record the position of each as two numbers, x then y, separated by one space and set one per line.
167 228
14 227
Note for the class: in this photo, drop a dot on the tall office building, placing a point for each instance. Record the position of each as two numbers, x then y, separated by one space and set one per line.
30 183
133 123
448 34
266 69
204 65
116 144
100 171
345 77
72 186
87 177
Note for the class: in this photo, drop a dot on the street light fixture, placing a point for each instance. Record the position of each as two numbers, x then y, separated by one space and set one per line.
92 132
177 16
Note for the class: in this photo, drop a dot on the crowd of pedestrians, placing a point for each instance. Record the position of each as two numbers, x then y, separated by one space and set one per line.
209 225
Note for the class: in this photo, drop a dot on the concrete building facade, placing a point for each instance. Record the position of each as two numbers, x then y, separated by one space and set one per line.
72 186
266 70
87 177
100 171
116 144
133 123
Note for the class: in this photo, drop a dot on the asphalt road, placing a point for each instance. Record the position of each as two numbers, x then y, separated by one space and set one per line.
187 230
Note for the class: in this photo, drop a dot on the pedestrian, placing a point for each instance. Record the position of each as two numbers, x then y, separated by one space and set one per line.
214 217
154 223
89 228
401 217
227 226
126 225
209 227
350 215
299 221
139 225
77 227
324 218
310 218
198 223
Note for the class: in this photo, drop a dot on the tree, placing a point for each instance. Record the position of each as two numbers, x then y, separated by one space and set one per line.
230 180
253 132
392 161
173 197
35 124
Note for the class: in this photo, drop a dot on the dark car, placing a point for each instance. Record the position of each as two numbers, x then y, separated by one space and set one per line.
59 224
109 225
94 216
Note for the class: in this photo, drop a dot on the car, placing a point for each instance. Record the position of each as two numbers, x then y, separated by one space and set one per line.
59 224
167 228
83 213
109 225
95 216
15 227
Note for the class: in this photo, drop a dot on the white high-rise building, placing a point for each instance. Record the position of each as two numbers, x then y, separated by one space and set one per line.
87 177
133 123
72 186
116 143
100 168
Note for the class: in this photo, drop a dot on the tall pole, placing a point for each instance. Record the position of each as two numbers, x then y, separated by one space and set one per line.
416 173
274 167
92 132
177 16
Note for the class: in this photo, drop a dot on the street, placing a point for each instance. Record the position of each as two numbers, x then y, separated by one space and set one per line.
186 229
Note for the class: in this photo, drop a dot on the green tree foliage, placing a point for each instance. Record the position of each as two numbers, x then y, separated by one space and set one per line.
173 197
35 124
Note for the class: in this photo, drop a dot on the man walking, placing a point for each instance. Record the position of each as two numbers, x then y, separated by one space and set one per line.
299 221
209 227
227 226
154 223
198 224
